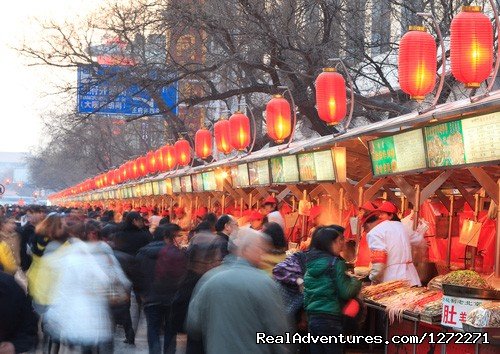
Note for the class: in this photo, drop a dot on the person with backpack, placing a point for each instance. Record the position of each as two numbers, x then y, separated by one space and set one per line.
162 264
327 287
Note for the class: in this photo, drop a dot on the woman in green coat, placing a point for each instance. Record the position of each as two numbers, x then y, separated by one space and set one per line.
327 287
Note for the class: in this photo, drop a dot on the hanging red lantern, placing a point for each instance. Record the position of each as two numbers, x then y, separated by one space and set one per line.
169 158
151 162
123 172
331 101
117 176
203 143
134 168
222 133
239 125
143 169
159 160
182 152
417 63
471 46
278 119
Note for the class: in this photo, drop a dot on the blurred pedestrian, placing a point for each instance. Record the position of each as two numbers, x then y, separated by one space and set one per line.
18 321
230 326
277 250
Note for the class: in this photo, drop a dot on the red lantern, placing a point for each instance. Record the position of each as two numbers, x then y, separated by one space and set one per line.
222 135
134 168
143 169
471 46
124 172
151 162
169 158
417 63
203 143
239 125
159 160
331 101
182 152
278 119
117 176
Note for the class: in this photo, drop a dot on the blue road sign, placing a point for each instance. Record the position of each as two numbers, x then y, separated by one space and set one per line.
100 92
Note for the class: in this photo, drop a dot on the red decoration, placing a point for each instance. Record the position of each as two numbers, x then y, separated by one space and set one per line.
417 63
117 176
135 169
143 169
471 46
151 162
331 101
239 125
203 143
222 135
159 160
169 158
183 152
278 119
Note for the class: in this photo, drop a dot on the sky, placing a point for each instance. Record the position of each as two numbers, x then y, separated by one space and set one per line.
23 89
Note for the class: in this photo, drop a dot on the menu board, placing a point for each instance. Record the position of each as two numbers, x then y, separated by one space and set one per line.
316 166
258 172
197 182
239 176
209 182
176 185
284 169
481 136
186 186
156 187
398 153
445 144
149 188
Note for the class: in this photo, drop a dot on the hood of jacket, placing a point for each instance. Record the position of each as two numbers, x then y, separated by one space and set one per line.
318 262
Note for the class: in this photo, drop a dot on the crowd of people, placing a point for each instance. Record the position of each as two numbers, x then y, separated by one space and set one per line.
68 277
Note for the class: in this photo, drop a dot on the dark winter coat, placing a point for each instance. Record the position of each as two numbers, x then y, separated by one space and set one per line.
131 240
18 321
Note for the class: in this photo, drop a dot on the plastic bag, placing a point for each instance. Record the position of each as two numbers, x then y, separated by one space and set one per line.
416 236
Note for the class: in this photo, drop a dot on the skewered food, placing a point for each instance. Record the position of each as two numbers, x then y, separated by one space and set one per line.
487 315
466 278
372 290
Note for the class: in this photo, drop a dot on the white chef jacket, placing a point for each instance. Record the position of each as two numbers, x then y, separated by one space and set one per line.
391 237
276 217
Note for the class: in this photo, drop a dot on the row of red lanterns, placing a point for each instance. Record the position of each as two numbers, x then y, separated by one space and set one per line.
471 54
471 50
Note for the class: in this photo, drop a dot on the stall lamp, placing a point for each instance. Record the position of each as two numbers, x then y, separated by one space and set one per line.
339 163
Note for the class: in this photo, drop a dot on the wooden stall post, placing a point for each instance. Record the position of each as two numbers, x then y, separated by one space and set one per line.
241 206
450 227
304 218
223 202
471 248
209 202
293 205
250 200
416 206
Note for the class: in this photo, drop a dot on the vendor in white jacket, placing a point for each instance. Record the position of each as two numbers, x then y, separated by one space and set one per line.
390 247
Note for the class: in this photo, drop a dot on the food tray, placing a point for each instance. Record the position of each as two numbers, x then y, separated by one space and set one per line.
493 332
470 293
436 319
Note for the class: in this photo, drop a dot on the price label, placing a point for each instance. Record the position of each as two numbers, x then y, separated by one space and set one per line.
455 310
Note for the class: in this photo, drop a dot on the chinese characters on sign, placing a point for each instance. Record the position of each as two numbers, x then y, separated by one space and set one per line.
100 92
398 153
455 310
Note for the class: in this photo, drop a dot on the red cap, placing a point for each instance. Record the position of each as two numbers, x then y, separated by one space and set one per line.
315 212
367 216
388 207
255 215
201 212
270 200
164 213
368 206
144 210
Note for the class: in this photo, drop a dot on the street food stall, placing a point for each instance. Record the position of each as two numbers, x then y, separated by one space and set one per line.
441 167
